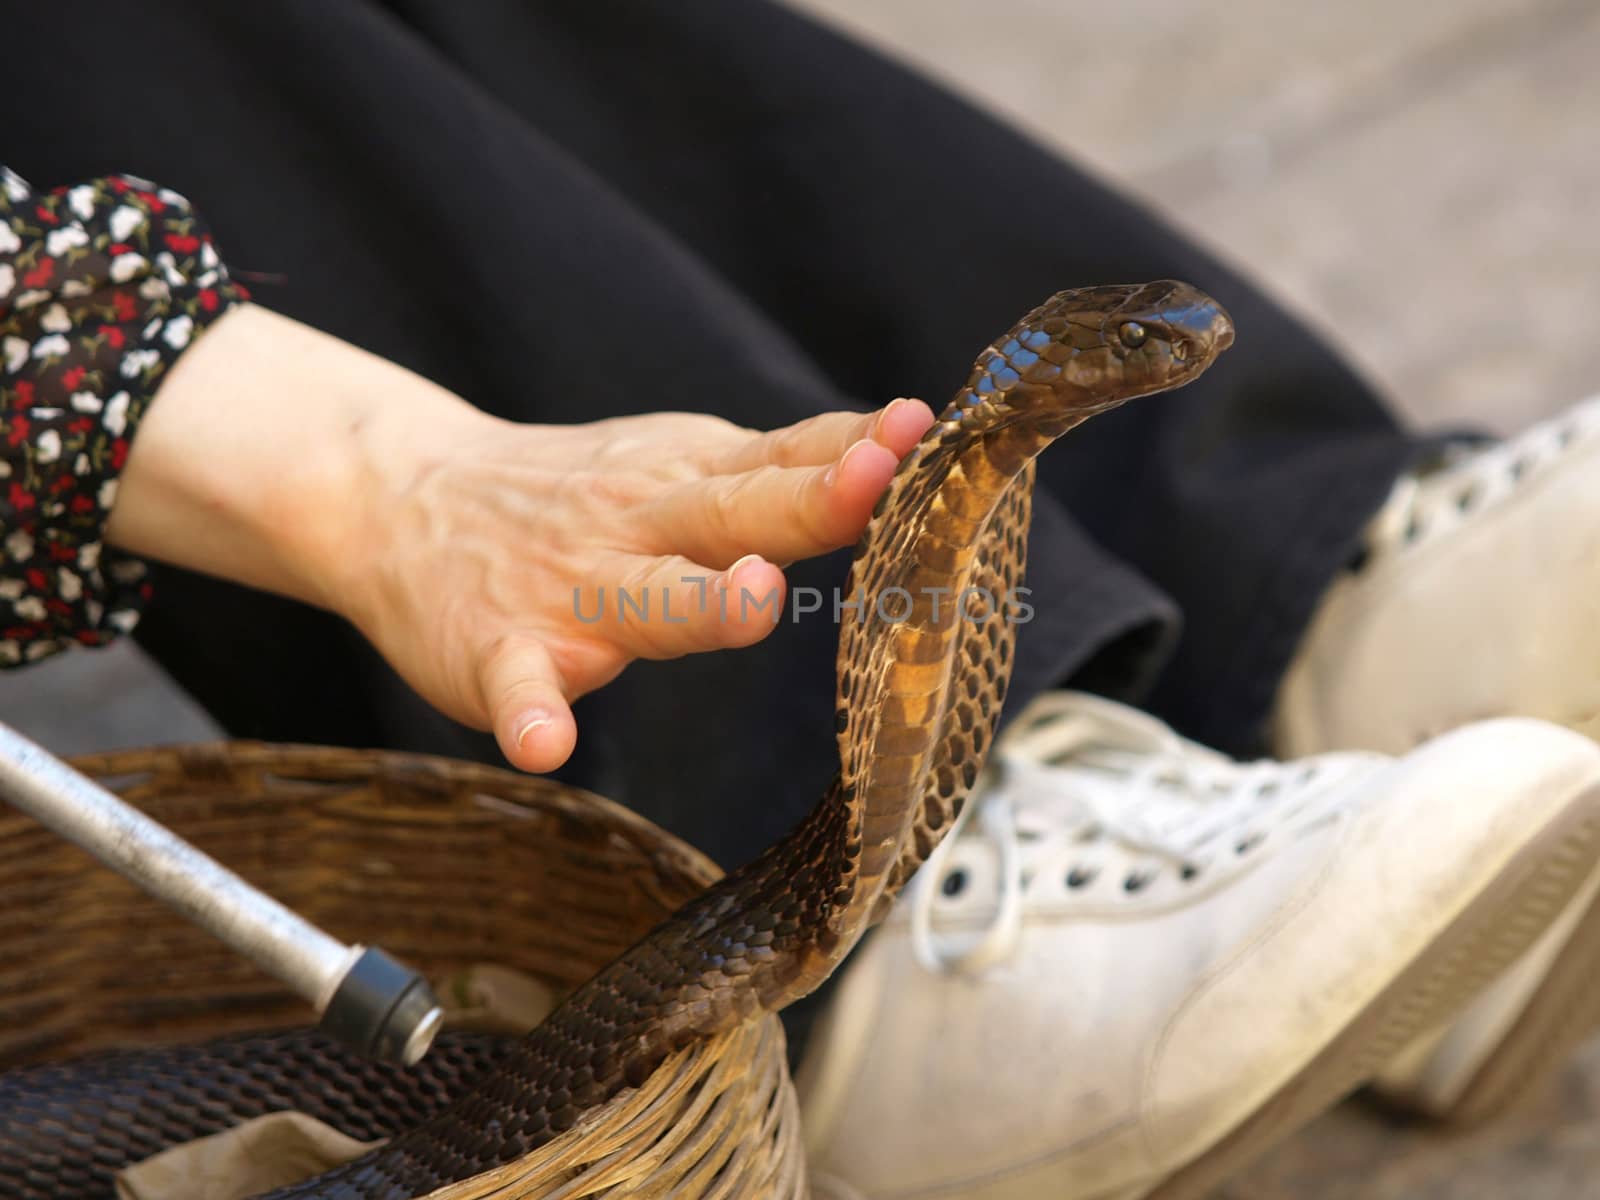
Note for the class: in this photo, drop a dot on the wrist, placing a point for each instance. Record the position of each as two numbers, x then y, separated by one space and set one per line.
267 451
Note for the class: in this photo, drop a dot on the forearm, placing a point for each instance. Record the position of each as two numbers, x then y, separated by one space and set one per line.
265 452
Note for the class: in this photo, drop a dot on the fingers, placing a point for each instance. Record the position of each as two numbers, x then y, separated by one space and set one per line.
902 424
823 439
781 513
660 608
708 579
531 718
668 606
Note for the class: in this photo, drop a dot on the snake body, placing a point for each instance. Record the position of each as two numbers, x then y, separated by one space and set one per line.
923 666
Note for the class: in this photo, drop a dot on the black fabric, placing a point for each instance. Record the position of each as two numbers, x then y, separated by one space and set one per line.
580 208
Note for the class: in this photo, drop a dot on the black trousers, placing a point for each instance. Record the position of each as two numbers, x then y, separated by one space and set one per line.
574 209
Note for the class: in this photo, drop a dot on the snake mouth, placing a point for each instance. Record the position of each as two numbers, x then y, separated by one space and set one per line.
1221 331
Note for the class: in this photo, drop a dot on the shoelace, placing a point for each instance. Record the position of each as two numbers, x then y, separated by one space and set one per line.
1470 479
1077 769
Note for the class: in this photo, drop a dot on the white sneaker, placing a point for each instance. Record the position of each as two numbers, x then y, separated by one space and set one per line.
1139 964
1479 596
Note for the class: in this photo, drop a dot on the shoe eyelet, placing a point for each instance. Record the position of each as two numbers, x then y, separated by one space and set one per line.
1136 882
1267 791
1188 871
1566 435
1247 844
1468 499
1079 877
954 882
1413 530
1518 468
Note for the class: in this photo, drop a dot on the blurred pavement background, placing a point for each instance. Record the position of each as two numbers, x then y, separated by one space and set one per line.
1422 180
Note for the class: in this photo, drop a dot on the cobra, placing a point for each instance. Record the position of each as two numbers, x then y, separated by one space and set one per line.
920 683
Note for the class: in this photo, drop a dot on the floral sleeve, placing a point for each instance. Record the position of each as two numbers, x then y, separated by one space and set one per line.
102 286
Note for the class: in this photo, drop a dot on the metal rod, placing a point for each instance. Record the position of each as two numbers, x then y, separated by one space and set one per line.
285 945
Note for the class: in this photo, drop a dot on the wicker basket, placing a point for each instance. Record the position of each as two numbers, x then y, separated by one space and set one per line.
445 864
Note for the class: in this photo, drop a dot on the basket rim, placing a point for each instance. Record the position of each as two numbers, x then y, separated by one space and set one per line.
221 754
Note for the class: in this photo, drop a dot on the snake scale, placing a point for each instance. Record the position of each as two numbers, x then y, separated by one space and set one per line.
923 666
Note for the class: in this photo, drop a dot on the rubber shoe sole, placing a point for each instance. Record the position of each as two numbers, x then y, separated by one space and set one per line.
1491 933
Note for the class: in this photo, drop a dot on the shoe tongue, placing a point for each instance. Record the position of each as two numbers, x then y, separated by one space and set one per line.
1135 794
1099 783
1089 724
1092 760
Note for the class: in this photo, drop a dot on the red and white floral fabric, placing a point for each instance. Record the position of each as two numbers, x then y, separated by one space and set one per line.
102 285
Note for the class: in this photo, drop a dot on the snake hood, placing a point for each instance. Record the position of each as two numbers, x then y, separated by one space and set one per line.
1089 349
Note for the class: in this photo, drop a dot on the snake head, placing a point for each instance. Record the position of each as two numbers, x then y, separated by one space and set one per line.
1088 349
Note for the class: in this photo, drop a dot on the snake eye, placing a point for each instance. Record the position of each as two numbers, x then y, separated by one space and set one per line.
1132 334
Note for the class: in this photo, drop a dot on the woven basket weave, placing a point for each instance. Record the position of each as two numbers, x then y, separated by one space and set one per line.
446 865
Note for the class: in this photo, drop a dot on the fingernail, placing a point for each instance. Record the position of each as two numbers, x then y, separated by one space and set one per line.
729 575
537 719
832 474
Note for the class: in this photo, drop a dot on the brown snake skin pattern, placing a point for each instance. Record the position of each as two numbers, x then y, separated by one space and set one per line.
923 666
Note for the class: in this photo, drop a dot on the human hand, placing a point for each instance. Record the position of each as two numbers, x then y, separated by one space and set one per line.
495 556
470 550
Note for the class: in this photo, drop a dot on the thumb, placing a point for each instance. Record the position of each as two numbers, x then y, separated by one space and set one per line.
529 712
